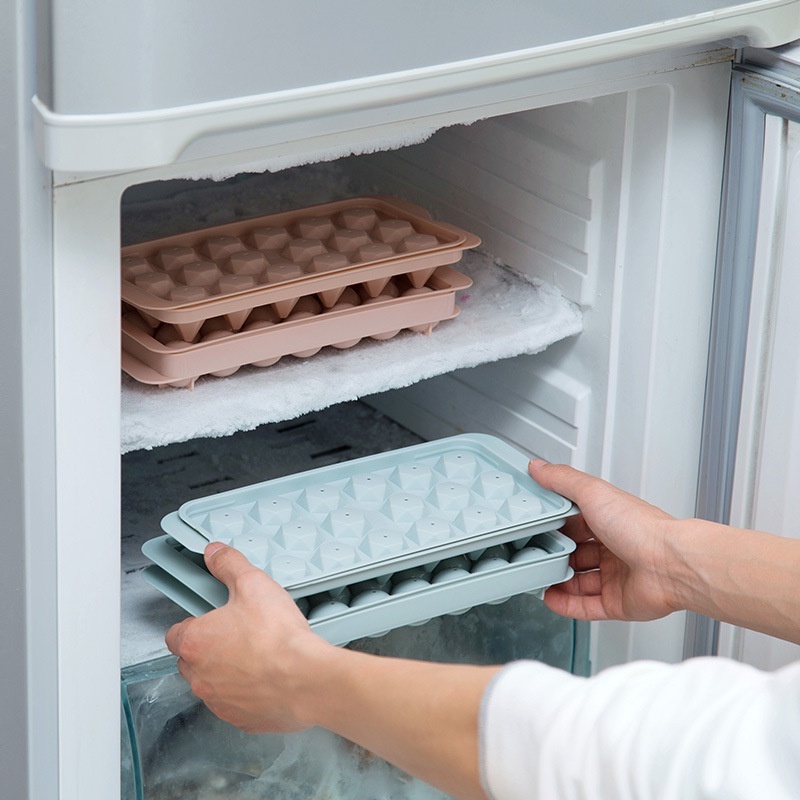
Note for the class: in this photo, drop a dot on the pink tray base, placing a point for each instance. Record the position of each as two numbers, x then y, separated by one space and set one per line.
180 364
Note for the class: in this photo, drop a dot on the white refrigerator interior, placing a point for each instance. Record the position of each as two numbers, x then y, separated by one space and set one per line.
586 150
557 201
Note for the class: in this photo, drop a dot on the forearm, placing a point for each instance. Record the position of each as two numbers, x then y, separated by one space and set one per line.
422 717
747 578
643 731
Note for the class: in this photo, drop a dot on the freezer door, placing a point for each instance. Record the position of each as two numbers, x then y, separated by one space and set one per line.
126 85
752 450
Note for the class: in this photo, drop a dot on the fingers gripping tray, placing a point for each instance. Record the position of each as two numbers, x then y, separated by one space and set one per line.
285 284
372 608
379 542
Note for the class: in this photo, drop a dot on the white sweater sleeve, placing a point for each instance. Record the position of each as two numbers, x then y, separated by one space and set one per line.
706 728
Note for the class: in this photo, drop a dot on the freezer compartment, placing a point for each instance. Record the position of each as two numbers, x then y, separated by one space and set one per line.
582 195
182 750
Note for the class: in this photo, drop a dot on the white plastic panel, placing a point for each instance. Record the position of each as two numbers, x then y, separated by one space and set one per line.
117 57
767 474
776 503
29 747
584 195
528 184
131 86
543 190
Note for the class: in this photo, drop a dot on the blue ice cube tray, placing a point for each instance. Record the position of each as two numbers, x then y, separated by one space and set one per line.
362 519
372 607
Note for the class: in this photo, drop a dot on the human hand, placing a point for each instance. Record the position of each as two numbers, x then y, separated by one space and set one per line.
247 659
622 557
257 664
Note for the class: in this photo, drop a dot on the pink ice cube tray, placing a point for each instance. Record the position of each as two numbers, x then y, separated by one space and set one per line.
228 270
159 355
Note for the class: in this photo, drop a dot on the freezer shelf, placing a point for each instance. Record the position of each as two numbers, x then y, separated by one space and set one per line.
502 315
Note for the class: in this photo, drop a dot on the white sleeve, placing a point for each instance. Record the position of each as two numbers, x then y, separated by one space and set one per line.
706 728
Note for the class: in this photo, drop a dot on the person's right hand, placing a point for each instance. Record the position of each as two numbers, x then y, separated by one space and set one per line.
247 659
622 557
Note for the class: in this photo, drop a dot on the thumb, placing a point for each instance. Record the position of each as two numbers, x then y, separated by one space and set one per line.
560 478
174 636
226 564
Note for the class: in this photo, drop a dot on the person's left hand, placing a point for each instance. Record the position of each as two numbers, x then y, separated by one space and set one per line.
246 659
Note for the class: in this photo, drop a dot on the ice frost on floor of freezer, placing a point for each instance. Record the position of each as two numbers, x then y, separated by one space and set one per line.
194 755
318 764
503 315
187 752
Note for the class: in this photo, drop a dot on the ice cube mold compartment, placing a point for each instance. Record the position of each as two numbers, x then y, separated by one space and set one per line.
364 518
160 356
407 597
228 270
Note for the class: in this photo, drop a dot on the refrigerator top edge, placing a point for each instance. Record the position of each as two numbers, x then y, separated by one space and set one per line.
133 86
783 61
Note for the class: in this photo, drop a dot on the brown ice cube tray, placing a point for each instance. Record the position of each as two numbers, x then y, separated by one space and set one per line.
227 270
159 356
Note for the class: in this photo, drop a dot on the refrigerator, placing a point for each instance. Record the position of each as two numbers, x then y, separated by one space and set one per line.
635 166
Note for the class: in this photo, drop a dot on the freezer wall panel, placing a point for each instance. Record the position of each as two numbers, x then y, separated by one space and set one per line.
540 409
531 185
